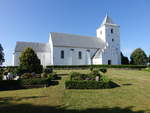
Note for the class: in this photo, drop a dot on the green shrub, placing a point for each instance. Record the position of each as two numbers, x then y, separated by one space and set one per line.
26 76
78 76
9 84
1 73
35 81
82 84
104 79
93 74
91 68
43 75
30 61
48 70
147 69
103 70
52 76
75 76
17 84
96 66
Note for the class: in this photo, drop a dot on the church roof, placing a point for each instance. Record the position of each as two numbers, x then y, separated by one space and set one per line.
70 40
37 47
107 20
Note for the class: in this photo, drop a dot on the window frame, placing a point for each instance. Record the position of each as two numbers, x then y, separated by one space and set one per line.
62 54
112 30
80 55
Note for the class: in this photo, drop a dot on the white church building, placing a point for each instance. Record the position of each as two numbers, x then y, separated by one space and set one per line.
70 49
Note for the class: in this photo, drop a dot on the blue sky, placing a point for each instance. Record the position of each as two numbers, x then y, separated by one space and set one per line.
32 20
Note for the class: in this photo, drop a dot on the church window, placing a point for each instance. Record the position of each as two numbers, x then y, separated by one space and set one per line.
80 55
88 50
112 40
100 32
72 49
62 54
112 31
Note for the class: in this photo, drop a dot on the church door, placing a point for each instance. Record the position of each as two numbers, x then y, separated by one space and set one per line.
109 62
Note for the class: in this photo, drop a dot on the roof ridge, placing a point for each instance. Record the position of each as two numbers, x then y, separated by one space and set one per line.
73 34
32 42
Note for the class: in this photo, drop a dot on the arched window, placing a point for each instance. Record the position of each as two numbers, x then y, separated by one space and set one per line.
112 40
80 55
112 31
62 54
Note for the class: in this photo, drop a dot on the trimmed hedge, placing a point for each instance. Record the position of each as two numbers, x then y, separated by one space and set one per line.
35 81
96 66
17 84
85 66
82 84
10 84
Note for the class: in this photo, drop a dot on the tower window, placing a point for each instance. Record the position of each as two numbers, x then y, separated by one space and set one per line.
112 31
80 55
62 54
112 40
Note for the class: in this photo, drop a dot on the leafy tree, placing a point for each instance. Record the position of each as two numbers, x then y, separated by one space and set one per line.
29 61
149 58
1 55
138 57
124 59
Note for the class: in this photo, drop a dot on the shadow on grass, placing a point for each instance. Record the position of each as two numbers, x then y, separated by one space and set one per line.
28 108
7 100
113 84
6 106
54 82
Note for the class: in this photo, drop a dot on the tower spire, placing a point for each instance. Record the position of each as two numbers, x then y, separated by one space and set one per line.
107 20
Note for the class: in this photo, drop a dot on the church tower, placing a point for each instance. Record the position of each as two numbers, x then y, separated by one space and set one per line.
109 33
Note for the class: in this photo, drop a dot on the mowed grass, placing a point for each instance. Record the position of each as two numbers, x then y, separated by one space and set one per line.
133 96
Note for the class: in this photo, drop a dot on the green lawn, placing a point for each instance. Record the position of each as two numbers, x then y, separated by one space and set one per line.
133 96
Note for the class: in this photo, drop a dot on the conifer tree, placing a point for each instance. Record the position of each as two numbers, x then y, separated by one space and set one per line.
29 61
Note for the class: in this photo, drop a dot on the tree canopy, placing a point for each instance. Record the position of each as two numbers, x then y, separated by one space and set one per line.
124 59
1 55
29 61
138 57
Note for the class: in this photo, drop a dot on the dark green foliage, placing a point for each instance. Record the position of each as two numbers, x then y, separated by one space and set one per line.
30 62
44 75
48 70
30 76
35 81
26 76
20 70
103 70
52 76
124 59
95 66
75 76
9 84
138 57
91 68
80 84
1 55
93 74
17 84
1 73
149 58
78 76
